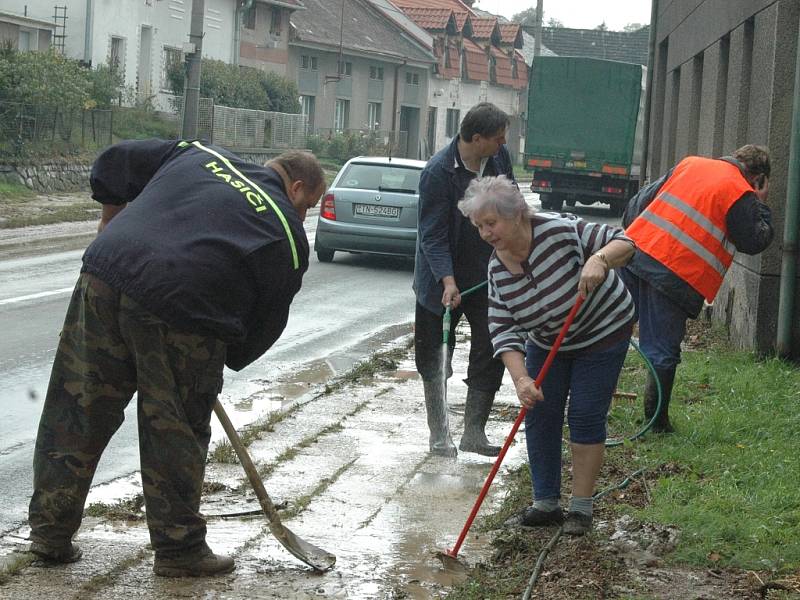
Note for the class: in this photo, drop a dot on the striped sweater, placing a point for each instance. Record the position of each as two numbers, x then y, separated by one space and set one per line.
534 305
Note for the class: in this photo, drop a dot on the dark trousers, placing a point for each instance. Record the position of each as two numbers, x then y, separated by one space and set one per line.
111 347
662 323
484 373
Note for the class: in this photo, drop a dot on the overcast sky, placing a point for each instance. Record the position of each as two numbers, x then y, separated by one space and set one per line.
580 14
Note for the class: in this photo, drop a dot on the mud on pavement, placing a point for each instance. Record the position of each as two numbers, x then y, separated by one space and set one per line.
353 469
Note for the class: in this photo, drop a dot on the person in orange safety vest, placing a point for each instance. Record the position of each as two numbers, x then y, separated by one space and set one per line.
687 226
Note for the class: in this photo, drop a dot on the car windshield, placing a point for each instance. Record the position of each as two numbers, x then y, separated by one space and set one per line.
383 178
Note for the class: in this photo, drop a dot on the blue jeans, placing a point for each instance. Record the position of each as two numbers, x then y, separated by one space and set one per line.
589 379
662 323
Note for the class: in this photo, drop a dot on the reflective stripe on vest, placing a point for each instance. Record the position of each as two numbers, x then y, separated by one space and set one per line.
684 228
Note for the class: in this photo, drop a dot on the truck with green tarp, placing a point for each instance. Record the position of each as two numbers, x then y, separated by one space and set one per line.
581 131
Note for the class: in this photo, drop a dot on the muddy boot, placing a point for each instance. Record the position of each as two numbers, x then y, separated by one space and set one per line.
666 377
201 562
476 413
439 442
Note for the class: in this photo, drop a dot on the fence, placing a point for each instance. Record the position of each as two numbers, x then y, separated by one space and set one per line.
247 128
26 128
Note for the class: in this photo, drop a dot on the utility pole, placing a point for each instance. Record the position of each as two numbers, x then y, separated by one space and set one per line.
191 83
537 48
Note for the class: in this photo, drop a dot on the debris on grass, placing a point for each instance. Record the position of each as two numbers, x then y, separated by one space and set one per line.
129 509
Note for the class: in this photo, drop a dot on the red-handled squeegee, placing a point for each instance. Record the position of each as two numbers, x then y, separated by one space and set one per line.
452 554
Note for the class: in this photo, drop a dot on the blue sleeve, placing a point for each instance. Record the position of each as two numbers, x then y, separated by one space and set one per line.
749 224
642 199
122 171
433 225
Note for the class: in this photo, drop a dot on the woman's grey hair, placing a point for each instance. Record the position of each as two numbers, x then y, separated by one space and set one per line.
494 193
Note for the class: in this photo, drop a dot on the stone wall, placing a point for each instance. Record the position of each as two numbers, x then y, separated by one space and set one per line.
48 178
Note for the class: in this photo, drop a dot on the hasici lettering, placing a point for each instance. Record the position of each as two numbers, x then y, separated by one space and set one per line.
253 197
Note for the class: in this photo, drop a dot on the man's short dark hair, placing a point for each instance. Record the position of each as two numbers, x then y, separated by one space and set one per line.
485 119
302 166
754 158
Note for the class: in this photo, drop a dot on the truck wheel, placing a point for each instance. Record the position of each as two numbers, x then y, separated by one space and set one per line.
570 202
545 201
556 203
324 255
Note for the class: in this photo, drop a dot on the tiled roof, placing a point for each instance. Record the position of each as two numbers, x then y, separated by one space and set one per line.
511 33
482 29
502 67
430 18
624 46
366 29
451 72
477 66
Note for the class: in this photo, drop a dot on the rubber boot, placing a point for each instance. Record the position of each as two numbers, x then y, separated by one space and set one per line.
439 442
476 413
666 377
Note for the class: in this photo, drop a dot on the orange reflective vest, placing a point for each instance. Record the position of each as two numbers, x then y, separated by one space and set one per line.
684 227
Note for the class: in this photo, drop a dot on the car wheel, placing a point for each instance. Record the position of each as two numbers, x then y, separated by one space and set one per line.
324 255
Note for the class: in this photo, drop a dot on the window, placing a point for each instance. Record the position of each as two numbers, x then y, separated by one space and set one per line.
275 23
250 18
492 69
374 115
173 57
376 73
307 108
412 78
116 54
447 57
308 62
514 68
345 68
453 120
24 41
341 118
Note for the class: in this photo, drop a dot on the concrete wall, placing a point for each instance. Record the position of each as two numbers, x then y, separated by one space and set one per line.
454 93
723 77
169 22
360 90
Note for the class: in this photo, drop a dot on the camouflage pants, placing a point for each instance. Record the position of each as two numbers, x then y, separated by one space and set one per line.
110 347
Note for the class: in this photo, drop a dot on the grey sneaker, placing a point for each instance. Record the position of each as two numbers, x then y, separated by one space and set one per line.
534 517
201 563
577 523
61 555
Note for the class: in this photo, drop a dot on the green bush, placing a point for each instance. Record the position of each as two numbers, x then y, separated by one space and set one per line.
105 83
141 123
240 87
43 78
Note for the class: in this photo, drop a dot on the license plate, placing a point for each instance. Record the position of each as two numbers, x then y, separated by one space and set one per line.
373 210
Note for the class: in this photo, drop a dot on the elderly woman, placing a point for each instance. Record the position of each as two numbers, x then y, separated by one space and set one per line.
541 263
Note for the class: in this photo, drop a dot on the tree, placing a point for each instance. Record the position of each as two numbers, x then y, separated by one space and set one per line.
602 27
526 17
551 22
633 27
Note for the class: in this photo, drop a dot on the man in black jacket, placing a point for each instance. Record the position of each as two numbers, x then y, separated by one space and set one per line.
451 258
686 226
198 257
